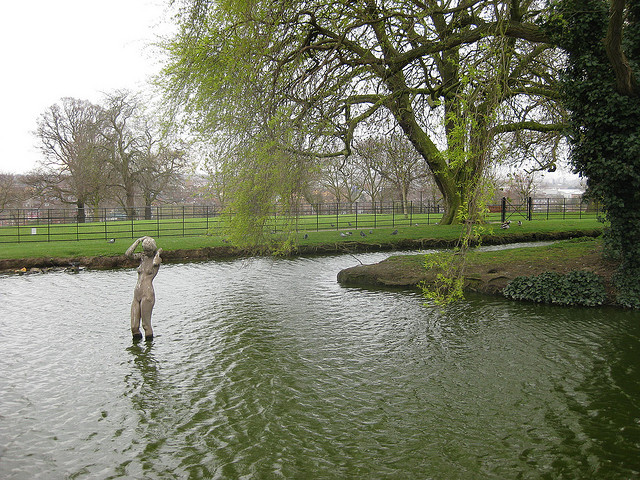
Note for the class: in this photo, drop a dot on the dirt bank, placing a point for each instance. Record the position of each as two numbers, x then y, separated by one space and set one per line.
225 252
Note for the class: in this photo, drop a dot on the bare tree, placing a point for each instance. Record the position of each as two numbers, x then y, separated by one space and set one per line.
161 160
73 168
11 194
373 183
343 179
122 145
522 185
396 160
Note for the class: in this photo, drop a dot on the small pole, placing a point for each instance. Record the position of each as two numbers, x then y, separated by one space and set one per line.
356 215
375 215
393 213
504 209
547 209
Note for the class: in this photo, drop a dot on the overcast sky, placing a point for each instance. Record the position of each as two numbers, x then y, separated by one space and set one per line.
68 48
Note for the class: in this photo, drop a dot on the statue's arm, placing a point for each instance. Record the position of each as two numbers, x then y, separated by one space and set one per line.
157 260
132 248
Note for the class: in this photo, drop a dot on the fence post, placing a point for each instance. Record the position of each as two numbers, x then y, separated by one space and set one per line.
393 213
356 215
337 215
317 217
48 225
157 221
375 215
411 212
504 210
183 220
529 208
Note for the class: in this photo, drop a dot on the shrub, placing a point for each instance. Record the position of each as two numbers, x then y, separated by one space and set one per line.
574 288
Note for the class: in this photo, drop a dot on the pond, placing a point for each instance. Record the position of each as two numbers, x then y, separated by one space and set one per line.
267 368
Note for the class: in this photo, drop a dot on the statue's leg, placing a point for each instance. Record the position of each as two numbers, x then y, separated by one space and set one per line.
146 307
135 320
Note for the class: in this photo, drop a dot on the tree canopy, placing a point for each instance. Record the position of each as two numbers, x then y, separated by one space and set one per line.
285 85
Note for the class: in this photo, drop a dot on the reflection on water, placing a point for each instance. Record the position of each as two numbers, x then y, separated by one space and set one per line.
269 369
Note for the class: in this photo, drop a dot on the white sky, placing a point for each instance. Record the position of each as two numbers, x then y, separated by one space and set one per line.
51 49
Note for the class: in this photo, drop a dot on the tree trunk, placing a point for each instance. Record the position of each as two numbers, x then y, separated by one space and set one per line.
130 203
147 208
81 216
626 83
405 207
452 204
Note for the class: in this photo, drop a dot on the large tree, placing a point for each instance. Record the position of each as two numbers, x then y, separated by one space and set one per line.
450 75
123 145
162 159
600 88
73 165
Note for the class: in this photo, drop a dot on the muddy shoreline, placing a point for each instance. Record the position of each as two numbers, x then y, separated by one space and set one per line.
43 264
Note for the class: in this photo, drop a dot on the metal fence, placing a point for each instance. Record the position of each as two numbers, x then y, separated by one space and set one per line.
49 225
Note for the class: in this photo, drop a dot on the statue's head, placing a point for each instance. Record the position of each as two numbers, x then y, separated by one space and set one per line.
149 245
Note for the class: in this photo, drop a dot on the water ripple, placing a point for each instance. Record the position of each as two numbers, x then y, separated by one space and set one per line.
267 368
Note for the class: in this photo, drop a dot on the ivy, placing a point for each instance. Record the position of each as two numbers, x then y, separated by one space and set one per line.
604 125
575 288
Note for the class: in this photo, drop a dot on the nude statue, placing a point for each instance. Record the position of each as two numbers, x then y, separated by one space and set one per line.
143 295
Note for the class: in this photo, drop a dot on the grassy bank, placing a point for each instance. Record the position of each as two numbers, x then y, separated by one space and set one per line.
373 237
491 271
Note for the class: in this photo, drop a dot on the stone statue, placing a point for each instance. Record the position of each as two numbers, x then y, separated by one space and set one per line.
143 295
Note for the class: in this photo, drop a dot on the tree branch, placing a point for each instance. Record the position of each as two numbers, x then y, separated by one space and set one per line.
529 125
626 83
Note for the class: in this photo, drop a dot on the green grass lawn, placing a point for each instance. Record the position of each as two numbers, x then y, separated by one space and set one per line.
96 244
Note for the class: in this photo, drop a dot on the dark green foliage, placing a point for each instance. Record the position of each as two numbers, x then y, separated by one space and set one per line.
605 124
574 288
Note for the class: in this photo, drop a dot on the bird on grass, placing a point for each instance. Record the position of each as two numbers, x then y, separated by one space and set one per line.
362 234
306 235
395 232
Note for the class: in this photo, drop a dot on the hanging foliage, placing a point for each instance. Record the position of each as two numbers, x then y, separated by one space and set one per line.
600 89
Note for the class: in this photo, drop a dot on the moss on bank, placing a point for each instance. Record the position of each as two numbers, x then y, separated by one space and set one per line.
489 272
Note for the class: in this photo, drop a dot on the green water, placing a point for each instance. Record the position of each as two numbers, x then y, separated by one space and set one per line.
269 369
